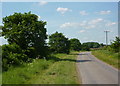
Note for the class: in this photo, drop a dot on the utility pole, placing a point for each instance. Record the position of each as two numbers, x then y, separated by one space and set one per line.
106 36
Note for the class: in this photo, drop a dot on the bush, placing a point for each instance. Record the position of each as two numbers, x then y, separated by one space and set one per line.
115 46
12 55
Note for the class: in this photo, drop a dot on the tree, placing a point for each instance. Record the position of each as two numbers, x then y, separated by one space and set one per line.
92 44
59 43
1 29
75 44
85 47
26 31
102 45
115 46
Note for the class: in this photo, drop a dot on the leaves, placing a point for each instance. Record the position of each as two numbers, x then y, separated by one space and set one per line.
59 43
75 44
26 31
26 37
115 46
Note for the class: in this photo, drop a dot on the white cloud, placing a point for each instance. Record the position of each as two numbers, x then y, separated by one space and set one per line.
84 24
83 13
111 24
90 24
104 12
43 3
68 24
74 24
94 21
81 31
63 10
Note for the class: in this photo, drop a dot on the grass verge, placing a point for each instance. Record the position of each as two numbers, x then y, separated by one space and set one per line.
108 57
61 72
24 73
59 69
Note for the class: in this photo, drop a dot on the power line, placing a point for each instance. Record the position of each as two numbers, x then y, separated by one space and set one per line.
106 36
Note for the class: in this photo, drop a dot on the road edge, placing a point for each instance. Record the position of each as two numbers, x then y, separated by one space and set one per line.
78 72
106 63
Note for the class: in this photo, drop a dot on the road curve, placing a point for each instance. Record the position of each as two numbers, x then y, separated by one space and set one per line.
93 71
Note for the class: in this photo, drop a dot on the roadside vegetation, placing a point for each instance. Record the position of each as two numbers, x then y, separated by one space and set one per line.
108 57
110 54
62 71
60 68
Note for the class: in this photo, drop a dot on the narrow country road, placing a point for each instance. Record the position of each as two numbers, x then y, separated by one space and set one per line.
93 71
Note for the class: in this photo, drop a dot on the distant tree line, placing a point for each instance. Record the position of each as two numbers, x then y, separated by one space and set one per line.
26 37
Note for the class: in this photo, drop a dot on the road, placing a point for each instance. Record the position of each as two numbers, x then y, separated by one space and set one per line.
93 71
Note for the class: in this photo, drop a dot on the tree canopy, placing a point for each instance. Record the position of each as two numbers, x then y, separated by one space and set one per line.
92 44
115 45
59 43
75 44
26 31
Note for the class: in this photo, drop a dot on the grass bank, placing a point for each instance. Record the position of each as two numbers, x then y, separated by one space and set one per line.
26 72
63 71
108 57
59 69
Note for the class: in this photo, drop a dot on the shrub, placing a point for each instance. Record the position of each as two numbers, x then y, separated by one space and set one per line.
115 46
12 55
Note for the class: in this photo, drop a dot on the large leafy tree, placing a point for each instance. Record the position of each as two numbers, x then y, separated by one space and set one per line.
75 44
59 43
26 31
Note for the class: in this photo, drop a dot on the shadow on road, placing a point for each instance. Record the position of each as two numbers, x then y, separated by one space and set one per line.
83 60
83 54
74 54
71 60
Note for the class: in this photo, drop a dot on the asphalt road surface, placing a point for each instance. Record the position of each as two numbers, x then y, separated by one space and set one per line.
93 71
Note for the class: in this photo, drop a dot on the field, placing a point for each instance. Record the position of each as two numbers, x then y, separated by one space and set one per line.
59 69
108 57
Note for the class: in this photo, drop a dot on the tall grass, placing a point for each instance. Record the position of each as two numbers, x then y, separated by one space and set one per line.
61 72
28 71
59 69
108 57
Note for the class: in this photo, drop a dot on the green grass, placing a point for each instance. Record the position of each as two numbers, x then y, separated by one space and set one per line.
22 74
108 57
59 69
61 72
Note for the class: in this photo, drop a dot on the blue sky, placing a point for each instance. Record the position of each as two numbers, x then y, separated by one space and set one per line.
86 21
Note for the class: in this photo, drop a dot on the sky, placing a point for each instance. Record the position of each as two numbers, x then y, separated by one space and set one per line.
85 21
